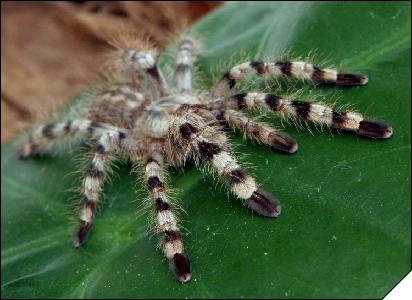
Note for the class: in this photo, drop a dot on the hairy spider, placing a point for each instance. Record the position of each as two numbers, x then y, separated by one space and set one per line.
161 127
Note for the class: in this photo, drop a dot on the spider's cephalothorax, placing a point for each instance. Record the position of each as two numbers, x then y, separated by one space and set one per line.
167 126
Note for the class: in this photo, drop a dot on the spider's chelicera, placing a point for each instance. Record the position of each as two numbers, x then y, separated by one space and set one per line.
165 127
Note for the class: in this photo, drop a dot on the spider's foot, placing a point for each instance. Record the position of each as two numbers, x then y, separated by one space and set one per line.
264 203
26 150
351 79
283 142
374 129
81 234
180 267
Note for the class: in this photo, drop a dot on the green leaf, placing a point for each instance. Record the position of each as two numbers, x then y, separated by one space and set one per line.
345 226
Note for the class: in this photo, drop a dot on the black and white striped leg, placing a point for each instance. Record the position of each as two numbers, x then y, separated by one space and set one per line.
94 181
318 113
210 145
296 69
45 134
184 64
179 263
260 131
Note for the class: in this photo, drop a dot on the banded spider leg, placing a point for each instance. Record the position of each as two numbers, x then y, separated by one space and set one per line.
173 249
318 113
108 142
208 144
294 69
109 138
315 112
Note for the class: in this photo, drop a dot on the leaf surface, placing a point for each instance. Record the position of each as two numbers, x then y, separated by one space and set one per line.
345 225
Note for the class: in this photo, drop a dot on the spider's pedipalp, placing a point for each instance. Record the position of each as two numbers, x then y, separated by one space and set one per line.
166 221
318 113
261 131
209 145
94 181
137 61
295 69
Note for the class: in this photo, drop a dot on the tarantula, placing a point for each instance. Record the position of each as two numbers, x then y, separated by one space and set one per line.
166 127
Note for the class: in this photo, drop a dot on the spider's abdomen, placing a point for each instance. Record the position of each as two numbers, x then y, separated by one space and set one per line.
119 105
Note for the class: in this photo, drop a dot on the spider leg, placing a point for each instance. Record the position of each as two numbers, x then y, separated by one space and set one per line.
318 113
166 221
210 145
119 102
107 143
184 64
296 69
260 131
47 133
